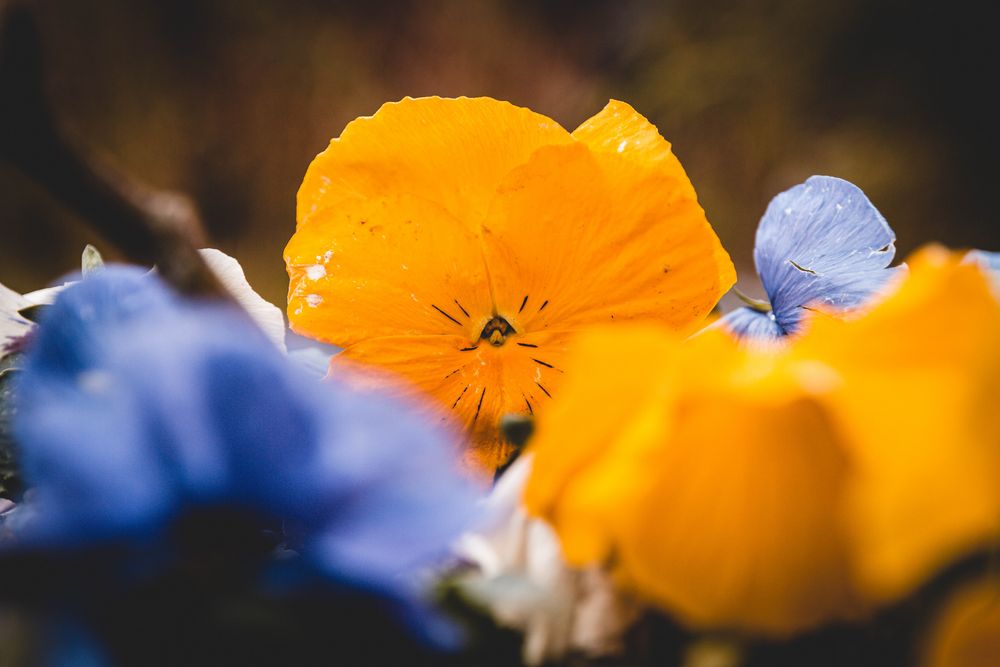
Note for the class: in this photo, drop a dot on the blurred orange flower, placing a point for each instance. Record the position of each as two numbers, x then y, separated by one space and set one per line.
457 243
772 489
966 632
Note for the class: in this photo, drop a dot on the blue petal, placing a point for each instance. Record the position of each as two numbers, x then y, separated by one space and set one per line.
136 406
821 242
87 312
749 323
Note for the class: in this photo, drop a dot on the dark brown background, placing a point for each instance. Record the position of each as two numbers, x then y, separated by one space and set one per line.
228 100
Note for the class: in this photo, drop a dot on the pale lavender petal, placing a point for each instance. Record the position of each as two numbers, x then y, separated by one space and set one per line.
749 323
821 243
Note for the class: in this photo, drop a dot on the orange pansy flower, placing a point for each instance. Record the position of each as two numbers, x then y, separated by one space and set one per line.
774 489
457 243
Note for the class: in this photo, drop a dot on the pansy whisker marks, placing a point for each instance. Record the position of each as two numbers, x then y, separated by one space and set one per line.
546 364
446 315
455 404
479 406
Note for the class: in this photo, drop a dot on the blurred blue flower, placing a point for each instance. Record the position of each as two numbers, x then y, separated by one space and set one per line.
820 243
139 409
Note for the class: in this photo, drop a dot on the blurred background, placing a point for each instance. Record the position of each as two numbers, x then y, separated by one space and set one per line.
229 100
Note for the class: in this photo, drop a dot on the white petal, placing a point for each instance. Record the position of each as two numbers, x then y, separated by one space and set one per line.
47 295
12 325
229 272
521 577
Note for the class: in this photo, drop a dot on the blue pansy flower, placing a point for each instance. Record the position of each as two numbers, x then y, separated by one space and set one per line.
139 411
821 243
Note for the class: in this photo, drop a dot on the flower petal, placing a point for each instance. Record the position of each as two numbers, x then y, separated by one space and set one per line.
229 272
713 518
920 375
742 525
389 265
620 129
821 242
750 324
591 411
579 237
988 260
12 325
475 384
453 152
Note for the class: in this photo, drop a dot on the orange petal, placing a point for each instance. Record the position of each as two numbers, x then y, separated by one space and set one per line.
708 478
474 384
579 237
742 518
618 130
580 434
921 372
389 217
453 152
384 266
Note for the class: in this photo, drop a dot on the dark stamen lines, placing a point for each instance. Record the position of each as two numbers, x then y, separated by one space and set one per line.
546 391
528 403
464 311
523 303
446 315
542 307
459 397
452 373
480 406
468 349
527 345
546 364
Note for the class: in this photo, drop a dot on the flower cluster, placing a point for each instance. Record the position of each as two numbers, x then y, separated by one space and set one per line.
811 479
772 490
807 459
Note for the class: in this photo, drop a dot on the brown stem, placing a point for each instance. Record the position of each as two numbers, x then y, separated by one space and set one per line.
150 226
